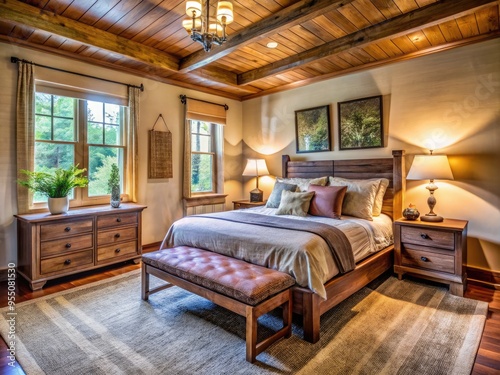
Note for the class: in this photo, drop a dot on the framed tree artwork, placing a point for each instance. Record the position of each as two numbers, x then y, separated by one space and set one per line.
312 129
360 123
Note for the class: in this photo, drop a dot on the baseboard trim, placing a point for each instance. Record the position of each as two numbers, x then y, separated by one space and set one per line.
150 247
487 278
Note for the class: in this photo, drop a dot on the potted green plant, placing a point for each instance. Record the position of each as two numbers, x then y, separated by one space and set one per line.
114 186
56 185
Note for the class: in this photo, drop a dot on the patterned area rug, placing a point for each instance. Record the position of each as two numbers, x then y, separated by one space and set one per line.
396 327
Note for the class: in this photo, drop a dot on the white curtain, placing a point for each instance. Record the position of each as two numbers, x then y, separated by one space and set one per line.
25 134
132 175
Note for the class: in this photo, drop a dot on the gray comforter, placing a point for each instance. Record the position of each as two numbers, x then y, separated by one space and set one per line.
307 251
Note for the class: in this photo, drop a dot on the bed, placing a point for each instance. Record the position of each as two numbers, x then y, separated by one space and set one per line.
324 277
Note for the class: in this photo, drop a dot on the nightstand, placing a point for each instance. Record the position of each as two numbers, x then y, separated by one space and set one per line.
435 251
246 204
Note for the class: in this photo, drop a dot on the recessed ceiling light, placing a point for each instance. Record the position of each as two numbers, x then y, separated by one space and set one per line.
272 45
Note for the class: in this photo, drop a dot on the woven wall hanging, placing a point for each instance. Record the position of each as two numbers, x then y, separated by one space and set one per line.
160 152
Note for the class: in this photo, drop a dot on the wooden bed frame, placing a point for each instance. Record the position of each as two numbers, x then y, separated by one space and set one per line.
309 304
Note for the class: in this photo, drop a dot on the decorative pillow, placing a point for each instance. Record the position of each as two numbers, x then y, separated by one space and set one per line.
379 197
327 201
359 197
303 183
274 199
293 203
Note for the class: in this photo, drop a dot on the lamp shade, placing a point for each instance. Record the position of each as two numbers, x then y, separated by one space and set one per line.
225 12
256 167
193 8
430 167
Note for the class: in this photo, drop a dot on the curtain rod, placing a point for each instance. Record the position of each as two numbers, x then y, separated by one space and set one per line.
184 97
16 59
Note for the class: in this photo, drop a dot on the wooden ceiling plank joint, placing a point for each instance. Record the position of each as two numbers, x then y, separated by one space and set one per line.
430 15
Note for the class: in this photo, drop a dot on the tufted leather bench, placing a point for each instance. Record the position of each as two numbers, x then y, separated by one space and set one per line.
244 288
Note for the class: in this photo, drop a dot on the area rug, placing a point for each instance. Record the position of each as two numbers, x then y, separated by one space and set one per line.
394 327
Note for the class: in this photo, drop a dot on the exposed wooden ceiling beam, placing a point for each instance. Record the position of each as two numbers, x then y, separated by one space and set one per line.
284 19
375 64
31 16
424 17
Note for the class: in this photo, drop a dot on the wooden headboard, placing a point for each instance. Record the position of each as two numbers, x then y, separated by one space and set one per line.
390 168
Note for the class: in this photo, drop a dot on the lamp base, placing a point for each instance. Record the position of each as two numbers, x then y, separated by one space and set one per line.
256 195
431 218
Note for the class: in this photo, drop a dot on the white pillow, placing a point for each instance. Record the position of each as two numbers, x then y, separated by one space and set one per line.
303 183
359 198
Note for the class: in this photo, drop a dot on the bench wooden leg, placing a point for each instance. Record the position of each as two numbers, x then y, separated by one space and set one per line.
144 283
251 334
284 300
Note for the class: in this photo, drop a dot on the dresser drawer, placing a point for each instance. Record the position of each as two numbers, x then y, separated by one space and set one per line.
71 243
115 251
427 259
117 219
66 262
428 237
116 235
58 230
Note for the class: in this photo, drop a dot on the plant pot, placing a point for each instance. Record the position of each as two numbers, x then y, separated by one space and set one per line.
58 205
115 197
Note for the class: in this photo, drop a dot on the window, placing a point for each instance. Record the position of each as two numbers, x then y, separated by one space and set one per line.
203 180
205 149
76 131
202 157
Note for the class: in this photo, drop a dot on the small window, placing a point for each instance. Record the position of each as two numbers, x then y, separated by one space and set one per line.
205 160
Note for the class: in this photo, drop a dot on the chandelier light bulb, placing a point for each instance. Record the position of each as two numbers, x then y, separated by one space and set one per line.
193 8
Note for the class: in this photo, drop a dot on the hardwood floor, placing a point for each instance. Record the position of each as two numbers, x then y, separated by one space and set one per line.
487 360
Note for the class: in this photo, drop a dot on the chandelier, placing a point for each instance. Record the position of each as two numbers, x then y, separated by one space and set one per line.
204 29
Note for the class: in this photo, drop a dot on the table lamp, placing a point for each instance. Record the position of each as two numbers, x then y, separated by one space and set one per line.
430 167
256 168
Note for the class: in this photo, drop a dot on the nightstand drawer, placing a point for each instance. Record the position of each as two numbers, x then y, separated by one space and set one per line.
427 259
428 237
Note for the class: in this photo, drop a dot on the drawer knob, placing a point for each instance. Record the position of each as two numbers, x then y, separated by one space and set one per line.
424 259
118 220
424 236
68 245
117 235
117 250
67 229
67 261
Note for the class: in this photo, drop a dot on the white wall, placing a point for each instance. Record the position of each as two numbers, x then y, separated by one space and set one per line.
448 101
163 197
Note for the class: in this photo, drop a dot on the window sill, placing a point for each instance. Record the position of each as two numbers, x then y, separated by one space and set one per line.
204 199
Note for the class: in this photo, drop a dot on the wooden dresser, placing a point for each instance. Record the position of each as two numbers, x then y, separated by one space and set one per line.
51 246
435 251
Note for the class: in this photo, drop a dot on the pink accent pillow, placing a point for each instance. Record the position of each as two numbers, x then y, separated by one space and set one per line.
327 200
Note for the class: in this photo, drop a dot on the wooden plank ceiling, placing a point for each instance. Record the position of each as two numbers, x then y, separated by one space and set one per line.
317 39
